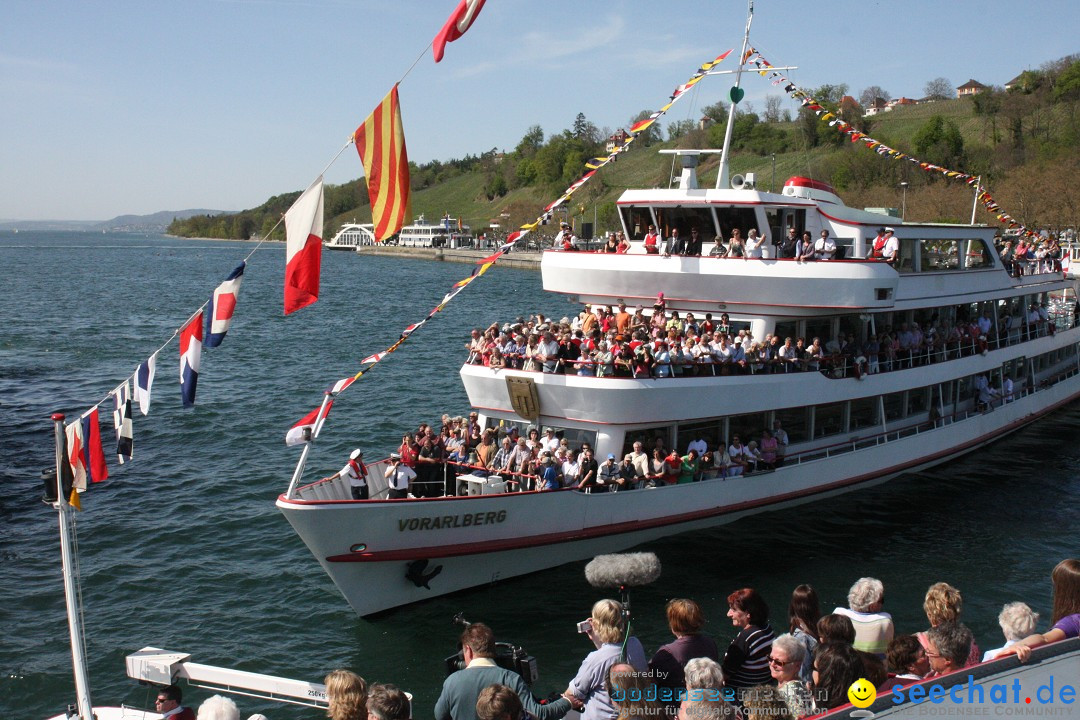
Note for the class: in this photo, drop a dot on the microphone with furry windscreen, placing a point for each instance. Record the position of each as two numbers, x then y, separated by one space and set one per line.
623 570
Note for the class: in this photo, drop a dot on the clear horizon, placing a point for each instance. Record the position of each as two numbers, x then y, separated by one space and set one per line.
132 109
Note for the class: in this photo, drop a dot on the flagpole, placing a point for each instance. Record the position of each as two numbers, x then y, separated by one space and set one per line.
722 176
299 471
975 202
67 560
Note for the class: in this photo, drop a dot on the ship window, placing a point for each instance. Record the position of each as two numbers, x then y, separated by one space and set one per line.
938 255
711 431
819 328
574 436
976 254
742 218
917 401
647 437
829 419
894 406
686 219
864 413
906 263
747 427
636 220
786 329
793 420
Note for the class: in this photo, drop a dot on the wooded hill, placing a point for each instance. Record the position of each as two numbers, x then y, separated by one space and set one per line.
1024 142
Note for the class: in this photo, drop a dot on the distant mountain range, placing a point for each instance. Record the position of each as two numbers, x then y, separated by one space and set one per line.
157 222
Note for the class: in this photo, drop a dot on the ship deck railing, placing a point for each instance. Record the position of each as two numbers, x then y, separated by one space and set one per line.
835 365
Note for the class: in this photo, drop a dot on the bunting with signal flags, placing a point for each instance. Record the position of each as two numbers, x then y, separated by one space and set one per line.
363 136
380 142
765 69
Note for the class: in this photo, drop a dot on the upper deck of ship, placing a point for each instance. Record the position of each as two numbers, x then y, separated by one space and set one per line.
936 262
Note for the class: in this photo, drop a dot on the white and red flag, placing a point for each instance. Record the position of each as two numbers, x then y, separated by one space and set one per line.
341 385
303 248
456 25
373 358
93 456
74 436
190 357
297 434
222 304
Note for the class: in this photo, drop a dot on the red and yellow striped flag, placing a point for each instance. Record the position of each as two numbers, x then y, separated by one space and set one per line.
380 141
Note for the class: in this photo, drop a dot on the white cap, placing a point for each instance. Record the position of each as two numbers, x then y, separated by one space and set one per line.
889 229
355 454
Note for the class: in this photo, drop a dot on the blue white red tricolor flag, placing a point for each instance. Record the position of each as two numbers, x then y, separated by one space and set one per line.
93 456
456 25
303 248
144 383
190 356
125 440
222 304
297 434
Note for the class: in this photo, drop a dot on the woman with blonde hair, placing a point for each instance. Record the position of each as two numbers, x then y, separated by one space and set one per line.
606 628
943 604
347 694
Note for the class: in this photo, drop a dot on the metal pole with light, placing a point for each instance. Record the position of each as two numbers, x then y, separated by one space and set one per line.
774 172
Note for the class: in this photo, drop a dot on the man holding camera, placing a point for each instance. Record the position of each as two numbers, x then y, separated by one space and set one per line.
462 689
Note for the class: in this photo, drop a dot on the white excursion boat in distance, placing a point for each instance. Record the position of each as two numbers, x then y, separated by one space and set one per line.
448 233
853 419
352 236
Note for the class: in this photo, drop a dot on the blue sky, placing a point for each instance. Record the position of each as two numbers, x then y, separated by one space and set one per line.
144 105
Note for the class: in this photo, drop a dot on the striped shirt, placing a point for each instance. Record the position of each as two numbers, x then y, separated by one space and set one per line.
746 662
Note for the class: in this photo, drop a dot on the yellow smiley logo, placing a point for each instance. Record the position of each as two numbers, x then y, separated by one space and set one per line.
862 693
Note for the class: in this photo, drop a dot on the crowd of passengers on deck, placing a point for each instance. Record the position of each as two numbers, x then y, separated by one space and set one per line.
543 460
603 341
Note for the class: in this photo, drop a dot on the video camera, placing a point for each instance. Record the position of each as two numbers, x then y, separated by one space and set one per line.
507 656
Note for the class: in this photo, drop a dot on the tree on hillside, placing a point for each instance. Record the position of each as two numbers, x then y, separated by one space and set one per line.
939 141
939 89
1067 85
717 112
988 104
585 130
872 93
828 96
531 142
679 128
772 109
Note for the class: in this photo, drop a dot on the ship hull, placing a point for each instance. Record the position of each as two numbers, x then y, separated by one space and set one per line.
367 547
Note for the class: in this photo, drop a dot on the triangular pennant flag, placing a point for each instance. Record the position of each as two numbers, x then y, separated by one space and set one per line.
456 25
303 248
341 385
190 358
297 434
125 441
222 304
144 383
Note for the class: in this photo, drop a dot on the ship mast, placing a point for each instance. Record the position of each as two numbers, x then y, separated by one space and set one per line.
71 596
722 180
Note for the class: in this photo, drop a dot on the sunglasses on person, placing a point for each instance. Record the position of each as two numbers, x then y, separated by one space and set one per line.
777 662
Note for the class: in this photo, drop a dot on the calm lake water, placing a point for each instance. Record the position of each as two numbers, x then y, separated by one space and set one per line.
183 548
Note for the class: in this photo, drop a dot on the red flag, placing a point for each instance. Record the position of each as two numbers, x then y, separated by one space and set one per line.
303 248
93 456
380 141
295 436
456 25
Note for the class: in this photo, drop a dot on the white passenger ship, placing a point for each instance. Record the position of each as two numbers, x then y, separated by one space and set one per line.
352 236
449 233
848 428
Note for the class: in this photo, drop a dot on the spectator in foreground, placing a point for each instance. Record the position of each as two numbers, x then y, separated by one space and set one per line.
218 708
836 667
948 647
1066 613
347 695
943 604
498 702
836 629
1017 621
785 661
763 702
746 662
461 691
387 702
630 693
705 692
606 629
686 621
907 661
804 613
873 627
168 704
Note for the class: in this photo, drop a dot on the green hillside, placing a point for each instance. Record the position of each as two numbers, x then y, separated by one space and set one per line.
1025 145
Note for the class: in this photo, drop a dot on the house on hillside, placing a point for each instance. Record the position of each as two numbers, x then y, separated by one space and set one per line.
850 109
971 87
1024 82
878 105
618 139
